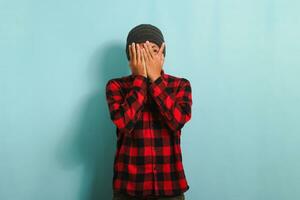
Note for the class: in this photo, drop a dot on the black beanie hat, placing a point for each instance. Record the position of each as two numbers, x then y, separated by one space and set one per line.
142 33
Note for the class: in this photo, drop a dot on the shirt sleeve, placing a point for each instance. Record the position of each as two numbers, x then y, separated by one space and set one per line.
175 108
126 109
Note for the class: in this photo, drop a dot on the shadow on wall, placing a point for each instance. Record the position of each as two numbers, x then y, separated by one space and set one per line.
91 140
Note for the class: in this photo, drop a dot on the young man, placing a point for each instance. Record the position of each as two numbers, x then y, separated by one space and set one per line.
149 108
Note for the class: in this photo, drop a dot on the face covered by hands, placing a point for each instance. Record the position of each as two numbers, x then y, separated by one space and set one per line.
146 60
153 60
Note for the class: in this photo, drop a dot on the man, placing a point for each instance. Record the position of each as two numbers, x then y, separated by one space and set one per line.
149 108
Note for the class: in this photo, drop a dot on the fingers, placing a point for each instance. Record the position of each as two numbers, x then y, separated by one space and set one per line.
152 53
148 52
138 54
133 52
162 59
143 57
130 53
161 48
146 58
160 53
145 61
144 65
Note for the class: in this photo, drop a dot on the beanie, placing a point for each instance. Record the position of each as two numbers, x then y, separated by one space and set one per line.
143 32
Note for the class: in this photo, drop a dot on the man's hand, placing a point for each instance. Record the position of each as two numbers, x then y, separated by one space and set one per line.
137 63
154 61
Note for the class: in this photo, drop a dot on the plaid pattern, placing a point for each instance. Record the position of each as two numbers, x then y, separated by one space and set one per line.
148 118
121 196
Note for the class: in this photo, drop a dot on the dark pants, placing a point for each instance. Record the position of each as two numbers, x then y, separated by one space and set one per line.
121 196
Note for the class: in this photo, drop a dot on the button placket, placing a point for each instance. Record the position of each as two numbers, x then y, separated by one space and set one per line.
154 167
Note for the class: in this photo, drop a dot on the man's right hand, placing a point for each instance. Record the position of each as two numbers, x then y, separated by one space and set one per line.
137 62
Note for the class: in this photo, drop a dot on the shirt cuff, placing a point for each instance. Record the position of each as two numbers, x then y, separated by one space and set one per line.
157 86
139 81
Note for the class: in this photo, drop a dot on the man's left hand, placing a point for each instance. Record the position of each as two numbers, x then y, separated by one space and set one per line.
153 61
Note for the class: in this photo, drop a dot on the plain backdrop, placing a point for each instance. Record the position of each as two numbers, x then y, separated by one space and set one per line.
241 57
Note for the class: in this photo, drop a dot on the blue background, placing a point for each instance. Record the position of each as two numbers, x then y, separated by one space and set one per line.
241 57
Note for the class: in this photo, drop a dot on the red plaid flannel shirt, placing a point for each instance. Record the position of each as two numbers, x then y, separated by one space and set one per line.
148 118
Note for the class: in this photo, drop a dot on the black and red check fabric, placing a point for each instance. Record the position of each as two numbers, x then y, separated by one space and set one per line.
149 117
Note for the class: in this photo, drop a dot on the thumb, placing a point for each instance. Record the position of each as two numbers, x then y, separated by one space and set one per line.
162 58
